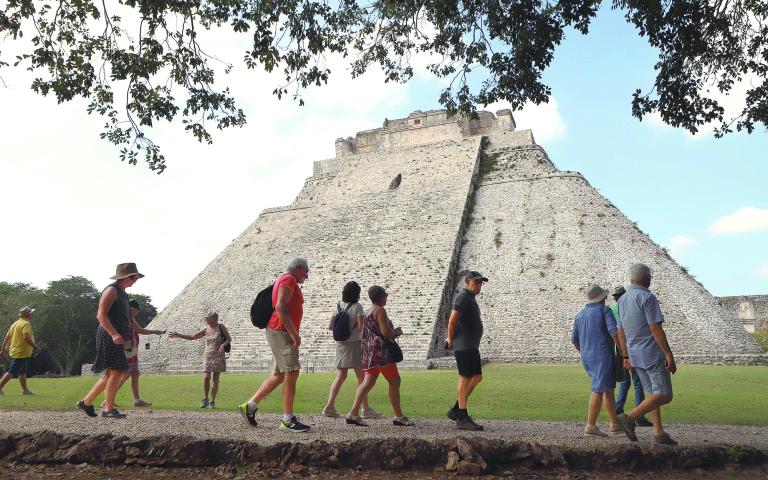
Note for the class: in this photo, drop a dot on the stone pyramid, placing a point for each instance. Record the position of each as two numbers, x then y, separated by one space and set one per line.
411 204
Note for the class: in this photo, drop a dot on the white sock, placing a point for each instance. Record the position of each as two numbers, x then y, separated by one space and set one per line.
253 404
287 417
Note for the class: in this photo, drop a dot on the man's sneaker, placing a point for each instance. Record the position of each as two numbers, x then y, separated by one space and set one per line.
212 405
330 412
369 413
594 430
616 429
204 403
664 439
248 413
355 420
467 423
27 392
141 403
293 425
452 414
643 422
628 425
114 413
88 409
402 422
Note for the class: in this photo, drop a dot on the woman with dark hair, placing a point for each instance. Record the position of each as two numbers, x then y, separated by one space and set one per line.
113 341
376 359
348 351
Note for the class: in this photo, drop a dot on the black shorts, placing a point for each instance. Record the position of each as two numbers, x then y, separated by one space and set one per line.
18 366
468 362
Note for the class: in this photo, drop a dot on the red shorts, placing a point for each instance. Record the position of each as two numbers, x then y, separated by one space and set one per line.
389 371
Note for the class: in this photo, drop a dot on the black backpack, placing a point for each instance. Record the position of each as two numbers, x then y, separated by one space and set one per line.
262 308
341 329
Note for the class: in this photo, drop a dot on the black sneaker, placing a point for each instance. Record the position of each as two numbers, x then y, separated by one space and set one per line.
114 413
293 425
88 409
248 413
355 420
643 422
452 414
467 423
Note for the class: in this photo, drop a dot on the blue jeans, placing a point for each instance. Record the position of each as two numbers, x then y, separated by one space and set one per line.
624 390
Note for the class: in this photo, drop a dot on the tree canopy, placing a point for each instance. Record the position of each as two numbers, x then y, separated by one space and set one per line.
140 62
64 322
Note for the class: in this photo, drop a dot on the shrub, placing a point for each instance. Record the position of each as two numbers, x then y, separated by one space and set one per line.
762 339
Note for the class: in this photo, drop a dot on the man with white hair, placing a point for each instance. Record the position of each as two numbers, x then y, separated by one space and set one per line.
284 340
642 336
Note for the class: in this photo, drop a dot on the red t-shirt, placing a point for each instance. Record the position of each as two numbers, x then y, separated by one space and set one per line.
295 303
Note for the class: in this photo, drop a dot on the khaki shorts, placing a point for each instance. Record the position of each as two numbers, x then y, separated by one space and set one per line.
348 354
285 354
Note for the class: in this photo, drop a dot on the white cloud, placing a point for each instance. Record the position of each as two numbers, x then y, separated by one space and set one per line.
680 245
544 120
762 271
743 220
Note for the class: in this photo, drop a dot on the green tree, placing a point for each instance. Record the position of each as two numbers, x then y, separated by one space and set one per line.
66 326
141 62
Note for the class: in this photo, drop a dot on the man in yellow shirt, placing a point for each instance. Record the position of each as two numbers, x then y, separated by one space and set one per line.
21 345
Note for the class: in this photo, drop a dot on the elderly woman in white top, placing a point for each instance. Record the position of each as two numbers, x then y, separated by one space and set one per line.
348 354
214 361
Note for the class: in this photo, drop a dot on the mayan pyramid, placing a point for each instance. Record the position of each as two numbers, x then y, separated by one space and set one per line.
472 193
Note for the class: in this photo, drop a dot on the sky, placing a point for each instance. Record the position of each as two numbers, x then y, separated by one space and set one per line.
70 207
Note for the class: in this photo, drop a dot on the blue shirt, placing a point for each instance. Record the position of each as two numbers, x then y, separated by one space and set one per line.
593 329
640 309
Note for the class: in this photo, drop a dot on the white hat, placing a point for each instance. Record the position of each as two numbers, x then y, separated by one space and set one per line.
596 293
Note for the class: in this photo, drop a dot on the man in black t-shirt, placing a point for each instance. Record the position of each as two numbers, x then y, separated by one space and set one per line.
465 329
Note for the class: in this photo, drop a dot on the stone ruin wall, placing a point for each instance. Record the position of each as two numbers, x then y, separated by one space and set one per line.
494 203
349 225
542 235
750 310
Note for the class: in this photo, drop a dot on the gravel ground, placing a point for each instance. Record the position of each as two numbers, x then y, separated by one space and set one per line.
145 423
94 472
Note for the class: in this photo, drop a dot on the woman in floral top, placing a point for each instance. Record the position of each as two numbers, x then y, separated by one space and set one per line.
377 330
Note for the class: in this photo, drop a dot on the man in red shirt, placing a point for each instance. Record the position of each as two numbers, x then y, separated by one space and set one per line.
284 340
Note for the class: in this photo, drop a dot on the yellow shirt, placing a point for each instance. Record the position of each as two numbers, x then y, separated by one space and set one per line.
19 348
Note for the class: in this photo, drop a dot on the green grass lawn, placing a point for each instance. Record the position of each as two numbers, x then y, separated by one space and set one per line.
703 394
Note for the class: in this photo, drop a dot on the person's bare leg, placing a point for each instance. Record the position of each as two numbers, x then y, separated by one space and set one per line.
215 386
206 385
98 387
610 405
476 379
394 395
658 429
360 377
595 402
135 385
651 403
114 380
341 376
6 378
463 387
267 386
362 391
289 390
23 381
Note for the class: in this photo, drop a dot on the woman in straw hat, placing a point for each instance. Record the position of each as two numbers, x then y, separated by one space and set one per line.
113 341
594 336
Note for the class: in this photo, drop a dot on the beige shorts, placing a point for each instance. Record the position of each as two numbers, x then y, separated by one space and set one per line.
348 354
285 354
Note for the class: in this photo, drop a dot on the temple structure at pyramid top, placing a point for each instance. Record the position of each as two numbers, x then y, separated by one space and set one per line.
410 205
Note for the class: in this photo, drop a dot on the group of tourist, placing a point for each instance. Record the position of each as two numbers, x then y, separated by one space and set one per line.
624 343
630 331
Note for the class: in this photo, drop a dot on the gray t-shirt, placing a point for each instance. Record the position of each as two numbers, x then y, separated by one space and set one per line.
354 311
639 309
469 328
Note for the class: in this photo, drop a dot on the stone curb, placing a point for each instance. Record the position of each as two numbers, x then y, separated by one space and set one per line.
464 455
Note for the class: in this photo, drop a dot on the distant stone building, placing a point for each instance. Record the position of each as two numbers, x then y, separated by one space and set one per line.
411 204
750 310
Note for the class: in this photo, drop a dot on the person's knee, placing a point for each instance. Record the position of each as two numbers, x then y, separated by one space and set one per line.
207 376
394 381
477 379
341 374
665 398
